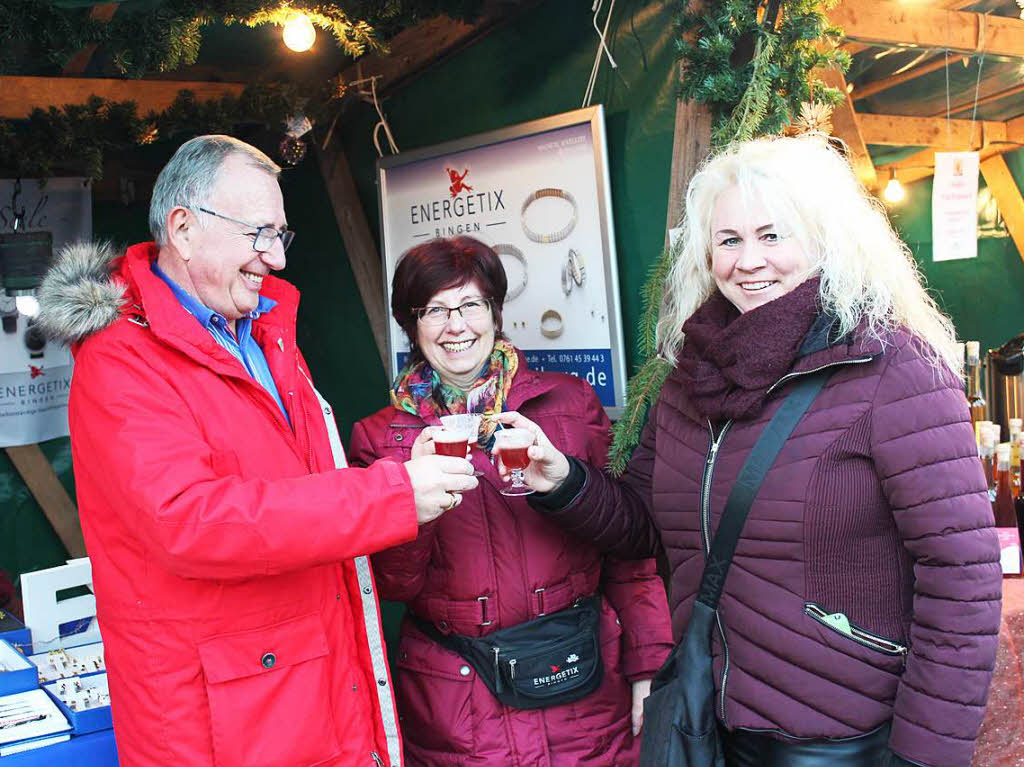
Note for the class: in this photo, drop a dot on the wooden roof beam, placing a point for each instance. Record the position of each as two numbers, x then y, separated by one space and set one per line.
955 5
935 132
102 12
922 164
20 95
1015 130
414 49
846 127
881 22
1007 196
885 83
971 103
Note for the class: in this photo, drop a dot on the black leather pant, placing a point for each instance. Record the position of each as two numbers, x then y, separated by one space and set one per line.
751 749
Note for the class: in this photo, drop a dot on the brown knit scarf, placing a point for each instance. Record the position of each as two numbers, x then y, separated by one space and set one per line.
729 359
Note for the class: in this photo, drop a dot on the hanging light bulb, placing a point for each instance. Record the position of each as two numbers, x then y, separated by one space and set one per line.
894 191
299 32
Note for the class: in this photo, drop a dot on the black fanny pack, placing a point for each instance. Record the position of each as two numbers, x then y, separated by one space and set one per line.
551 660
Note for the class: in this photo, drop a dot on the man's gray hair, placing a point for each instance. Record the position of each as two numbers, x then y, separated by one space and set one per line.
187 180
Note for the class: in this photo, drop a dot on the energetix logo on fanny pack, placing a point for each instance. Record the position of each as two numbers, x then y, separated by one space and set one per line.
558 674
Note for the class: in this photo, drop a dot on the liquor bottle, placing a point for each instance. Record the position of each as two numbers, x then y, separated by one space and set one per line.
996 432
987 454
975 398
1006 515
1015 429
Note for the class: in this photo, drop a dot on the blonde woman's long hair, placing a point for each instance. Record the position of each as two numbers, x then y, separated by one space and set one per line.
809 189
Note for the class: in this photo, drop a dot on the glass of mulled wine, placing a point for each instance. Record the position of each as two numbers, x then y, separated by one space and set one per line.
451 441
512 445
470 423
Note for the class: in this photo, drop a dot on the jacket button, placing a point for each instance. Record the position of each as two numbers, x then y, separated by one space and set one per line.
464 670
403 656
367 590
443 625
382 682
327 409
268 660
399 437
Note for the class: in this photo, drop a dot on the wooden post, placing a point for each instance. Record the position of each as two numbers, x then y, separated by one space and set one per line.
57 505
691 144
359 242
1007 196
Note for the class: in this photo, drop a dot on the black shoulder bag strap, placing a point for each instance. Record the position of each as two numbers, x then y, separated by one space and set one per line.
680 728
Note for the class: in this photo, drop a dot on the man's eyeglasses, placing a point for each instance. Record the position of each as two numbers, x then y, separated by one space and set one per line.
470 311
263 238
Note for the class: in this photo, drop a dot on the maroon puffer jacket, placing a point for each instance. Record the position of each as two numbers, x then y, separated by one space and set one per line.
875 508
494 562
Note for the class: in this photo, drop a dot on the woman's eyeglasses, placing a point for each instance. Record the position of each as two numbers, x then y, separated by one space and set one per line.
477 309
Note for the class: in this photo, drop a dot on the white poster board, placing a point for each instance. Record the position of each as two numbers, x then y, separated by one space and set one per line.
35 376
538 193
955 206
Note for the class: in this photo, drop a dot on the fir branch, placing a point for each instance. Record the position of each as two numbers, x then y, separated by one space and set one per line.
751 87
159 37
76 138
642 390
641 394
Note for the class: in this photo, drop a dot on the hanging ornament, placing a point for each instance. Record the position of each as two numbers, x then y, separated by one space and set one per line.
149 134
813 118
292 150
297 125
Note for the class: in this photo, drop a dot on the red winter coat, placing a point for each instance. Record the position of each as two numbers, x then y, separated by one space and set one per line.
239 630
494 559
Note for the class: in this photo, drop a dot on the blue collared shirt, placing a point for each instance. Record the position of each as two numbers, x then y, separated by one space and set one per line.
240 343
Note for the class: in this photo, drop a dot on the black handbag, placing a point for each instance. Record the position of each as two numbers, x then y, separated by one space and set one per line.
548 661
680 725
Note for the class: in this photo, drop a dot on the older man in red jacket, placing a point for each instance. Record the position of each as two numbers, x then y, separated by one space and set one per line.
227 540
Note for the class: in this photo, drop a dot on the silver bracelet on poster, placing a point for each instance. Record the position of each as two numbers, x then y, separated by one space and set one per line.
575 267
551 325
559 234
506 249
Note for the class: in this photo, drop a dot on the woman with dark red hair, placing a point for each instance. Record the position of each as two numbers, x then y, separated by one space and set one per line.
522 645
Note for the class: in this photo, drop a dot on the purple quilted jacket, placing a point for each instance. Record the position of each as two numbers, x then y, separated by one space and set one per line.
866 584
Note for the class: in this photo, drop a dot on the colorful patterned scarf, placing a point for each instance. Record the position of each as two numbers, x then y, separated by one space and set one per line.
418 389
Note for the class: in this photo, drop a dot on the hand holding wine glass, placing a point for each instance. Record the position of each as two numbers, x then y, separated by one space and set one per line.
548 467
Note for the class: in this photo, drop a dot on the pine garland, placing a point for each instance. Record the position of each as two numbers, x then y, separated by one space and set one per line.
754 70
75 138
734 58
164 35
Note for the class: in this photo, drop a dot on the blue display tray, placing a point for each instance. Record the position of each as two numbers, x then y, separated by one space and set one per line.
46 672
97 749
23 677
85 719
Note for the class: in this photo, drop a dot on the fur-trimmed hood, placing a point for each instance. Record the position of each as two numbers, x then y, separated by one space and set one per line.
81 293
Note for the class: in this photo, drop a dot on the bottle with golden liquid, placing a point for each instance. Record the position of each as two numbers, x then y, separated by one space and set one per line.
987 454
1006 515
1015 430
975 396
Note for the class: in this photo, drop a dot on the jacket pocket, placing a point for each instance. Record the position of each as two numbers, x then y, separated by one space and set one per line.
277 675
435 691
843 626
